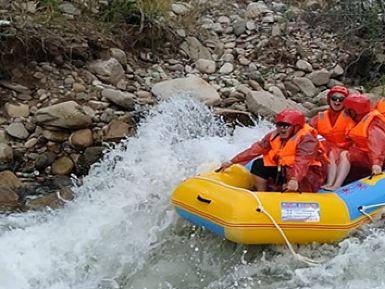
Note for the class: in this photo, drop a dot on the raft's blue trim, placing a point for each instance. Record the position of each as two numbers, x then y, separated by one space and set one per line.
249 164
359 194
219 230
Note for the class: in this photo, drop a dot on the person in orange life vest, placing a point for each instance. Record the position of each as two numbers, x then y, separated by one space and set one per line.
333 124
367 153
292 155
380 106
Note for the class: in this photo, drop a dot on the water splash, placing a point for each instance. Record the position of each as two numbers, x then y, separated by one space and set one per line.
122 232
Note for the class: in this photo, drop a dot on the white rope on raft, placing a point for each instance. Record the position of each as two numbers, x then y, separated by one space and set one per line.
261 209
363 209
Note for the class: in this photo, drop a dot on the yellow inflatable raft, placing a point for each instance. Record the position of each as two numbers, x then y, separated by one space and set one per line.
224 204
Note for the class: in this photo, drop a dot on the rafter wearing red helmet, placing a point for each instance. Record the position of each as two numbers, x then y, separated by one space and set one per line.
292 156
367 153
333 124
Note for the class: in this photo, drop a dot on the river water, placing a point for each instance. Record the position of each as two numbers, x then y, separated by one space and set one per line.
122 232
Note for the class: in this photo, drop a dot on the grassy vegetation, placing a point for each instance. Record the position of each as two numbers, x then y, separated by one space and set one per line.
41 31
143 23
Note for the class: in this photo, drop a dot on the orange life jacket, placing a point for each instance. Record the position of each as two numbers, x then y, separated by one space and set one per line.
380 106
335 134
285 155
359 133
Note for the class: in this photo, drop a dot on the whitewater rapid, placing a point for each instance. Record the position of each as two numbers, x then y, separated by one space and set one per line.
122 232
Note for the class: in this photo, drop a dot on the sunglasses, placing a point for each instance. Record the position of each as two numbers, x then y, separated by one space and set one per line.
337 98
283 125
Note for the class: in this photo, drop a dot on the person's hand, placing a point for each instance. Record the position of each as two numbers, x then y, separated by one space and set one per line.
224 166
292 186
376 170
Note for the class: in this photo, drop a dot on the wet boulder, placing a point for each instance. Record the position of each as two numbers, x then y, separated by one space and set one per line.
65 115
191 85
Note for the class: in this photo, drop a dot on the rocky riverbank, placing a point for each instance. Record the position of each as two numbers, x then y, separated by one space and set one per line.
254 58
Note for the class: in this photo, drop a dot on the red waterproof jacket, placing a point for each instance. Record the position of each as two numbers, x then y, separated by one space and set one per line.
310 177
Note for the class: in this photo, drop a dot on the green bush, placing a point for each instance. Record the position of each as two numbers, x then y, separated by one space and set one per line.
136 11
49 3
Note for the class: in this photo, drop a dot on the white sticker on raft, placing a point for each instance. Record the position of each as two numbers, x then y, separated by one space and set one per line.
300 212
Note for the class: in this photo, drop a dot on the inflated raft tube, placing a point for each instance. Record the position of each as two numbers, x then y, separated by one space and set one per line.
223 203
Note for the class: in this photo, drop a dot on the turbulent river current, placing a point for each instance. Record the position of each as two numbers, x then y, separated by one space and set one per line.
122 232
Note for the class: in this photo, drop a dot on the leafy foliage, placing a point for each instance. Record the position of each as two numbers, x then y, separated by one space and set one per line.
53 4
362 18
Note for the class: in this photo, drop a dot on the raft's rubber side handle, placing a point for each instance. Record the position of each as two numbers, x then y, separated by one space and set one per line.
372 175
203 200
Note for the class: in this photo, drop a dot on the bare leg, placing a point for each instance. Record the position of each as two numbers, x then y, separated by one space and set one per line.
342 171
332 171
260 184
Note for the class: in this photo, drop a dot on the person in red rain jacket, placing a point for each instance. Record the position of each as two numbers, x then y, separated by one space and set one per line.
333 124
367 153
292 155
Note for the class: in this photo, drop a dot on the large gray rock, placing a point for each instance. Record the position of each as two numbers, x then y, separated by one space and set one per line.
6 156
180 8
255 9
116 130
81 139
320 77
69 8
66 115
321 98
17 109
337 71
239 27
8 198
195 50
17 130
9 180
44 160
266 104
205 66
193 85
52 201
56 135
120 98
110 71
119 55
62 166
303 65
306 86
235 116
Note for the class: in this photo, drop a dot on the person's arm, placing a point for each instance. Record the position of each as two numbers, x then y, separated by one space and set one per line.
306 153
376 142
314 122
253 151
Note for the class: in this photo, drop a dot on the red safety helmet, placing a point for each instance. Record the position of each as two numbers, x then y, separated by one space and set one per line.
357 102
291 116
337 89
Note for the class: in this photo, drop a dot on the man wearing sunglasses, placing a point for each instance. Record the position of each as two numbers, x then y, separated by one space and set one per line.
367 152
292 156
333 125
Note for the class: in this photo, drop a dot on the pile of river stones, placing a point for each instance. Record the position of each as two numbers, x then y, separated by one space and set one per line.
251 60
